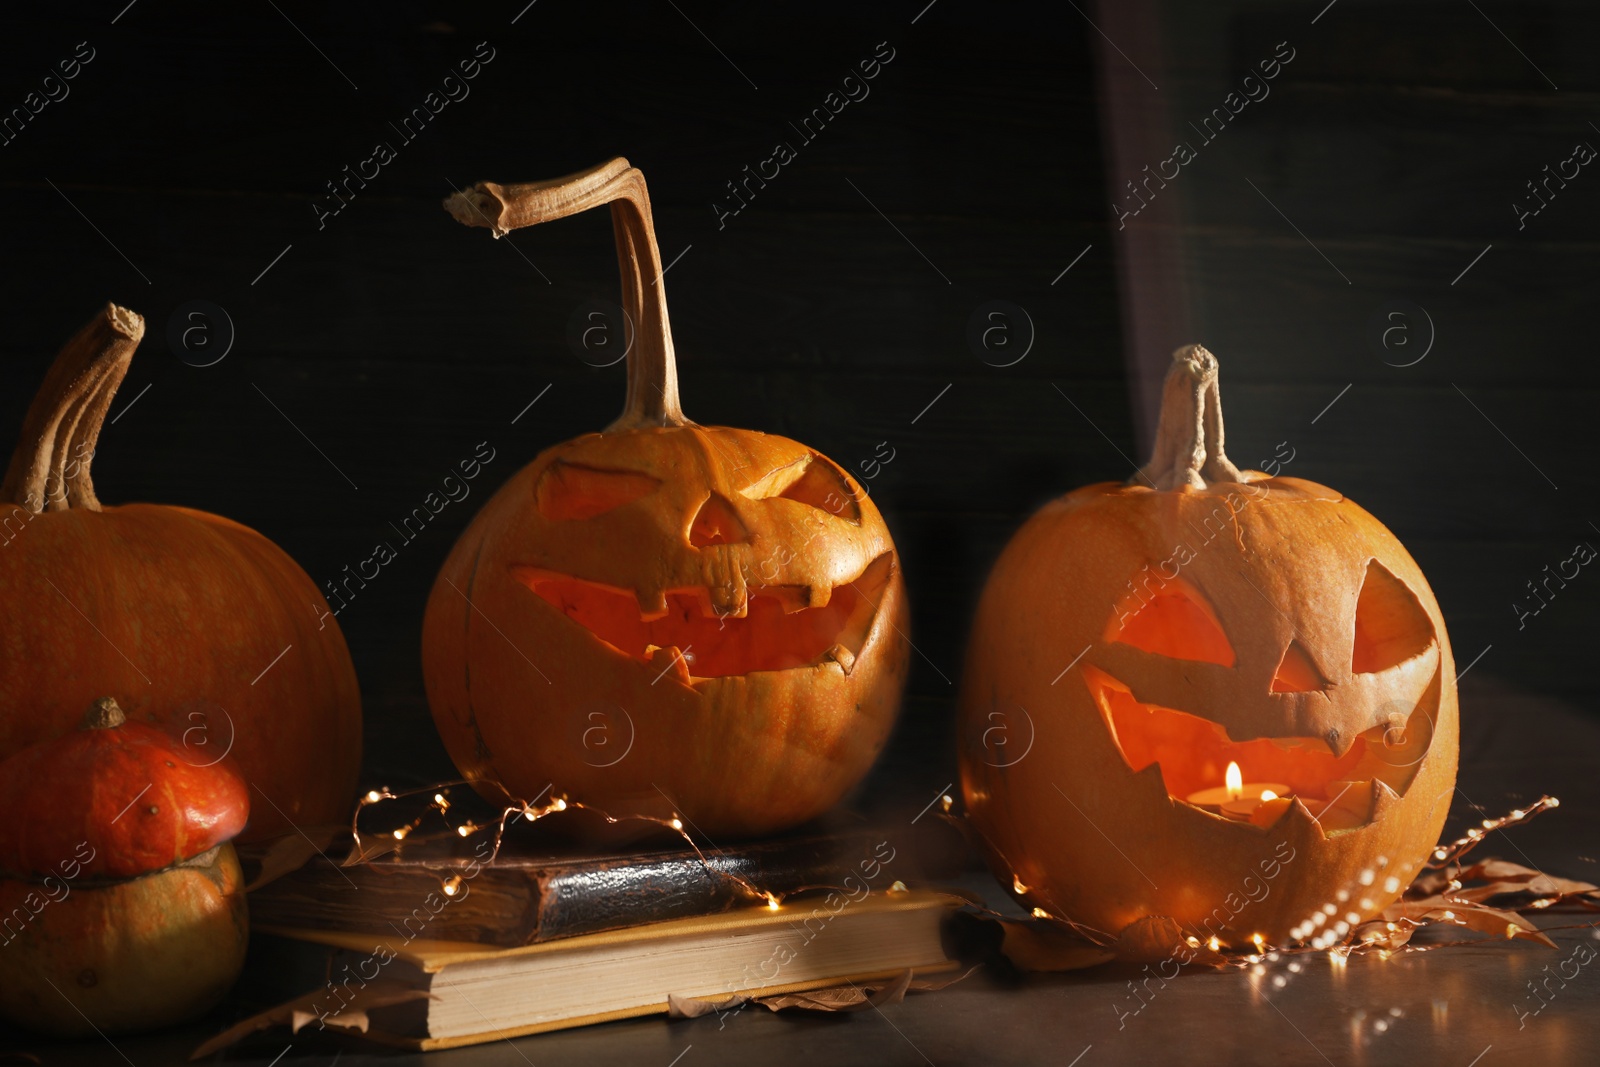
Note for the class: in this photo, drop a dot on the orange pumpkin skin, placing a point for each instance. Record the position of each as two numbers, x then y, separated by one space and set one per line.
527 696
180 612
664 619
122 905
199 605
134 955
1076 778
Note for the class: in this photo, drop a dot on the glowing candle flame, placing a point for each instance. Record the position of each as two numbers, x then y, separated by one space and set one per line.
1234 781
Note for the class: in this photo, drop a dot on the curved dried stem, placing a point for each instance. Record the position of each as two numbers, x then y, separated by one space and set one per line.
1188 449
49 471
652 368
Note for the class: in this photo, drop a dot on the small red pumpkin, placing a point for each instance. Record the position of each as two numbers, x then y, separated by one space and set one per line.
665 617
182 611
122 906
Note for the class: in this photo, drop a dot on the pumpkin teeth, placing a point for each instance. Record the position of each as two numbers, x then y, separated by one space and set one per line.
723 630
670 661
724 568
842 656
1340 786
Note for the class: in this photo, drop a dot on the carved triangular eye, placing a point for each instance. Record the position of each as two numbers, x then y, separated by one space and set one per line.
1391 626
811 480
573 491
1297 673
717 524
1170 617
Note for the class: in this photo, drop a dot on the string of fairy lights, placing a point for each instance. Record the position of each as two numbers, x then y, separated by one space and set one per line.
557 803
1337 928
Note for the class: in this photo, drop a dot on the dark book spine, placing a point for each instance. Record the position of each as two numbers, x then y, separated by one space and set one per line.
515 902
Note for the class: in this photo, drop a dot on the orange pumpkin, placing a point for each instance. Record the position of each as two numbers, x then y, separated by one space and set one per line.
665 618
1134 640
121 902
209 628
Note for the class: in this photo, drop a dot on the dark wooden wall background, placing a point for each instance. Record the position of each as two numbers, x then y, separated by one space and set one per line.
1396 142
198 137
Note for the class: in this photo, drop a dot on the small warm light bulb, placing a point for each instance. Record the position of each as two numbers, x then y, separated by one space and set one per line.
452 885
1260 942
464 829
1213 944
373 796
560 804
1017 886
1040 913
401 832
1234 781
772 902
438 798
676 823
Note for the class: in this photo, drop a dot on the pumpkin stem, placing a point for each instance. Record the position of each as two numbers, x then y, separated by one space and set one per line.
1188 449
50 469
104 714
652 369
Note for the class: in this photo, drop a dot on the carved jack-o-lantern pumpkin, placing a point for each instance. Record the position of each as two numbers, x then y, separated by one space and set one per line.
665 617
1136 640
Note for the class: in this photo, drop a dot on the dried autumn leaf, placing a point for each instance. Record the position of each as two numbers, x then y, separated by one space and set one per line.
694 1007
1506 878
1485 920
841 998
1156 938
287 854
834 998
1378 934
303 1010
1047 945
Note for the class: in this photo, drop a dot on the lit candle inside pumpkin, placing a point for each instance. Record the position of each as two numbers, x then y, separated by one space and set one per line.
1236 797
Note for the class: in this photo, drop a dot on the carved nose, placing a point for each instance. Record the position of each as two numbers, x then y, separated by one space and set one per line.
1297 673
716 523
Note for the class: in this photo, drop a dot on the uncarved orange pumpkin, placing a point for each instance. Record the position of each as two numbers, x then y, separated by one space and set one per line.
203 626
664 618
122 906
1135 639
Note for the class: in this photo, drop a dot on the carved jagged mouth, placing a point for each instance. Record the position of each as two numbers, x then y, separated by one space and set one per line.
1341 792
781 626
